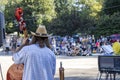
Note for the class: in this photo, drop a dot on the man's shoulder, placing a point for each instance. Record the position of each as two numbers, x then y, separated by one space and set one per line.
49 50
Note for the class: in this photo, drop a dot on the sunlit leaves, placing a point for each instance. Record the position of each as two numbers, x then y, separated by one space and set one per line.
10 25
34 12
2 4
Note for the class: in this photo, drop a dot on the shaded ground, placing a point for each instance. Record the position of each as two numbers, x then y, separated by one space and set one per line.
78 74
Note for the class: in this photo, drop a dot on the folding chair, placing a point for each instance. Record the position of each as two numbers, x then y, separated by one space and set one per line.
108 65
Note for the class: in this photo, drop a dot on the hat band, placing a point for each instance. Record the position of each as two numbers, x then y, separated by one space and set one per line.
38 34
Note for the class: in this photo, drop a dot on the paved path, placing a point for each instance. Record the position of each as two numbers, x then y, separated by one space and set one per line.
76 67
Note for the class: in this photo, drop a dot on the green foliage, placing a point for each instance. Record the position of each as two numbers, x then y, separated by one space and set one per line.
72 18
92 7
67 17
111 6
69 24
108 25
109 21
63 6
2 5
35 12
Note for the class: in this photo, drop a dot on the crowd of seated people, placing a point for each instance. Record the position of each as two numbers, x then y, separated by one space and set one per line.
84 46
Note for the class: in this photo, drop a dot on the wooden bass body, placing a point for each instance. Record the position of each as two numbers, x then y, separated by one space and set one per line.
15 72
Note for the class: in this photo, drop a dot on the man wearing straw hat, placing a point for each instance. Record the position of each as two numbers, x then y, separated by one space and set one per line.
38 59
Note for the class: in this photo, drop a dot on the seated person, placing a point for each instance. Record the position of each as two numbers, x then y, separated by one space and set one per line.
107 49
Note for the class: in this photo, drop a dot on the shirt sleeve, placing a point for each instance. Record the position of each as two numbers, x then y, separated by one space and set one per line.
18 57
54 65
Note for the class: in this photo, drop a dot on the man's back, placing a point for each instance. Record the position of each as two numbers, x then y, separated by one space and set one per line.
39 63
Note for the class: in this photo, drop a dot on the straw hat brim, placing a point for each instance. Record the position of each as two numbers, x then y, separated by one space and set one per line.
39 35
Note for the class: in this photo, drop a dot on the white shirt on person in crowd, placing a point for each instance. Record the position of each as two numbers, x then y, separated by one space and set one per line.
107 49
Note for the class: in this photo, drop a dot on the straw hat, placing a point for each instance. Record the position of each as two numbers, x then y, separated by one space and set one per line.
40 32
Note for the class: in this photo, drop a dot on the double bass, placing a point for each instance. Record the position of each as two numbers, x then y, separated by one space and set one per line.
15 71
